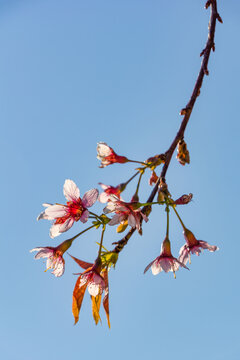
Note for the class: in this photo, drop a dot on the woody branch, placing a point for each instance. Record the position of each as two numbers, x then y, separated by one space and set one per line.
210 46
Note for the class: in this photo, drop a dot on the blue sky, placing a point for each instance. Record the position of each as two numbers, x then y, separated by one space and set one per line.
77 72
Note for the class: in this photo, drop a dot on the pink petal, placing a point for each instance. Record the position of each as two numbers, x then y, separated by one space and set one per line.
166 264
84 217
43 252
207 246
184 254
145 218
116 219
90 197
66 225
148 267
71 191
132 221
55 211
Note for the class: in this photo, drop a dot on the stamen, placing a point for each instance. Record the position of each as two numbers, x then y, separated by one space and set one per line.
48 268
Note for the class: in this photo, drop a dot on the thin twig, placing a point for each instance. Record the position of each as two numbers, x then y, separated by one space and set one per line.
210 45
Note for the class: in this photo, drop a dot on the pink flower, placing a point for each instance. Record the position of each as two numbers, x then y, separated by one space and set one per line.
54 257
75 210
125 211
193 246
107 155
165 261
110 190
96 283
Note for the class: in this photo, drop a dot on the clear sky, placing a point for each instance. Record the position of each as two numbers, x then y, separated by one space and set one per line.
75 72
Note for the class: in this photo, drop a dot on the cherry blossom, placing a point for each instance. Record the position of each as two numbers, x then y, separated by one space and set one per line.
165 262
64 216
110 190
125 211
95 280
193 246
54 256
107 155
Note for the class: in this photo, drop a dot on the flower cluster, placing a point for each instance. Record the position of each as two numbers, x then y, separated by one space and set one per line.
125 214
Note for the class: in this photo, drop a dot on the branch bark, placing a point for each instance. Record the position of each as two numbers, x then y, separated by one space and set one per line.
210 45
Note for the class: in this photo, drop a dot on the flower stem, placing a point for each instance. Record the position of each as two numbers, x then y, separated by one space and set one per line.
101 242
153 203
139 181
184 227
82 232
137 162
131 178
95 215
167 232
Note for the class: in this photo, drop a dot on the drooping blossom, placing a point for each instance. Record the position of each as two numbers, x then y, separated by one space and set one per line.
193 246
125 211
165 262
64 216
184 199
107 155
95 279
110 190
153 179
54 256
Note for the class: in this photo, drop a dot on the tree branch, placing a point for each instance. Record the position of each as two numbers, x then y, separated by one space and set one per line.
210 45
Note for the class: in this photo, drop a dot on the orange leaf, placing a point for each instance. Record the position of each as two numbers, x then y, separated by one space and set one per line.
81 263
78 294
96 302
106 297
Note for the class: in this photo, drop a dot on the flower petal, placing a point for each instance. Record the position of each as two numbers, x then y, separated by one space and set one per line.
103 197
43 252
90 197
55 211
103 150
59 267
132 221
116 219
156 267
207 246
71 191
84 217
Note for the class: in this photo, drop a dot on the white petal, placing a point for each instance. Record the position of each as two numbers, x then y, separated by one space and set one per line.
103 197
56 211
71 191
93 289
90 197
59 268
103 149
54 230
104 187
